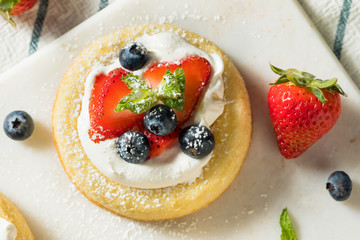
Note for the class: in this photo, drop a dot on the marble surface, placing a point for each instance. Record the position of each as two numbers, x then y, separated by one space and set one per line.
252 33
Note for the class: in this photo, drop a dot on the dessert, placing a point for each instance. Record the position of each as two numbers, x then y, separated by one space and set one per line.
91 113
302 109
12 223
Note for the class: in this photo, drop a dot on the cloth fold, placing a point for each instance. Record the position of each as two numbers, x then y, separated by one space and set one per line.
339 24
45 22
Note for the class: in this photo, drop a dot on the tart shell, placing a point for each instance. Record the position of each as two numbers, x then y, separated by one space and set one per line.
9 212
232 131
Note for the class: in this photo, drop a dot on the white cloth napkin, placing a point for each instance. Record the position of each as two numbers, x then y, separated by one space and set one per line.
45 22
337 20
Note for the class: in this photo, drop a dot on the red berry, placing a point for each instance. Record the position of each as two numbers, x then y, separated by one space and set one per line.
22 6
109 90
197 74
159 143
13 7
300 117
106 93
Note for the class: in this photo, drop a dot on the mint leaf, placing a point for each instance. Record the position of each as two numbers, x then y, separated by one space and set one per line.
287 231
171 89
138 101
173 84
142 97
177 104
135 82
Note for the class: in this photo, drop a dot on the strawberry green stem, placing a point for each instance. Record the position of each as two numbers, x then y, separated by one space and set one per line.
307 80
5 10
6 15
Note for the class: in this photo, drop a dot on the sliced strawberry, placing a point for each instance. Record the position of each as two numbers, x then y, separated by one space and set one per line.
197 74
106 93
108 90
159 143
95 96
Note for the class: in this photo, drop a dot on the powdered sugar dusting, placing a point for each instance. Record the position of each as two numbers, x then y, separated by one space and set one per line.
87 175
172 166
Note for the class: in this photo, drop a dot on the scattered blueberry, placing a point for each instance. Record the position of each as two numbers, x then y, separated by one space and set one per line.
196 141
18 125
133 56
160 120
133 147
339 185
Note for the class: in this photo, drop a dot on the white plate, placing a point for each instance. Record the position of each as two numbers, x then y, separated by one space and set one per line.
252 33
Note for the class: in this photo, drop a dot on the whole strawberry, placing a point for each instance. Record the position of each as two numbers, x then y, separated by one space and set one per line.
302 109
14 7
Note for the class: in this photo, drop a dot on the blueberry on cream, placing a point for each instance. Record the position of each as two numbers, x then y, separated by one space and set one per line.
196 141
133 56
172 166
160 120
133 147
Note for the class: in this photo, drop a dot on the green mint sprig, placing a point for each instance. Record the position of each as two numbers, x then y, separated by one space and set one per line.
142 97
171 89
287 230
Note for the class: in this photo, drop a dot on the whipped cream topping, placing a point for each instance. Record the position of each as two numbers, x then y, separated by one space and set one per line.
7 230
172 166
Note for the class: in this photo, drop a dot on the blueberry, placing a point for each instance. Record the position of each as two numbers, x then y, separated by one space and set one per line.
133 147
339 185
133 56
160 120
18 125
196 141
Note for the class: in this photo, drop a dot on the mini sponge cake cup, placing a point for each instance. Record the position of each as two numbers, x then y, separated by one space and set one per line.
10 213
232 131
